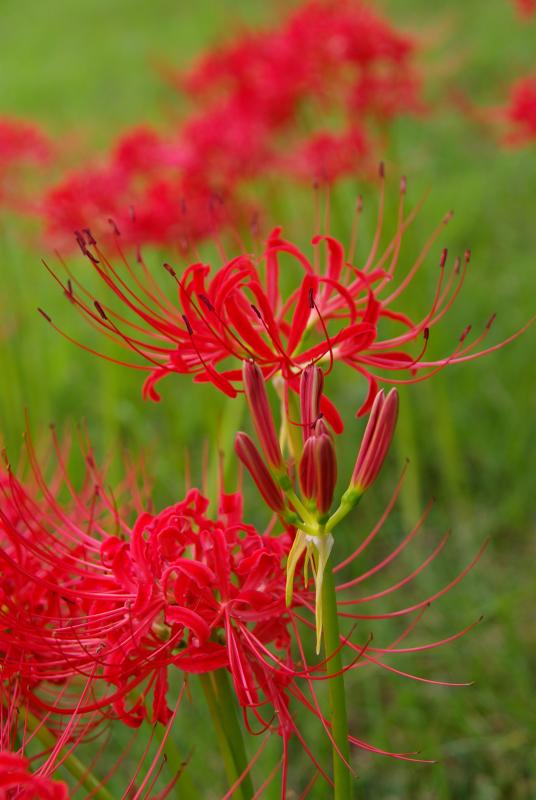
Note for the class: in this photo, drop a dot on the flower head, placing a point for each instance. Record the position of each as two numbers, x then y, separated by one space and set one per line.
335 311
22 145
525 8
176 592
16 780
520 111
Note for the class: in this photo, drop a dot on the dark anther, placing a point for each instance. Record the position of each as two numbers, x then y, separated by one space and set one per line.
204 299
465 333
44 314
169 269
89 236
81 242
91 257
100 309
311 298
256 310
114 227
188 326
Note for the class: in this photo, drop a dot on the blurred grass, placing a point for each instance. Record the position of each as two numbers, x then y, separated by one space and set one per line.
86 70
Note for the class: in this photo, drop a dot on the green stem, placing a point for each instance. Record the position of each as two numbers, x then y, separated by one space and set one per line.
231 723
305 514
348 502
337 696
72 764
221 704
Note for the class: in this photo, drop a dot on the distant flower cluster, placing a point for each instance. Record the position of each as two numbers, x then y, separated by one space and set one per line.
309 98
520 112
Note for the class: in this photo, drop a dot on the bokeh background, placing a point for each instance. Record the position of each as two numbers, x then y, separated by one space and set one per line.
86 72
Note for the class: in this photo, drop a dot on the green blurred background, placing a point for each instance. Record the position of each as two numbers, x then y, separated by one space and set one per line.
86 71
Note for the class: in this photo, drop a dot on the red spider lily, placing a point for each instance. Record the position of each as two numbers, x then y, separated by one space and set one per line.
160 209
16 780
526 8
325 157
319 40
22 144
251 95
520 112
317 471
176 591
337 311
384 95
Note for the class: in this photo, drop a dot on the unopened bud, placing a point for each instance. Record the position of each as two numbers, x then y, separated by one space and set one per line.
311 384
252 460
259 405
326 472
318 468
376 441
307 471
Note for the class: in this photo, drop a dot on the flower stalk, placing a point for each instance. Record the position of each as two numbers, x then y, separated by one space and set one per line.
342 774
221 704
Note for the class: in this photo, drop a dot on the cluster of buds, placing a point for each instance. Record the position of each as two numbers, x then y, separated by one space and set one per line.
307 509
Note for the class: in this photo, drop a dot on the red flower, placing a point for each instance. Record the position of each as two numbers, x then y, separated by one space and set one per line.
21 142
317 42
176 592
325 156
333 56
335 312
22 145
16 780
387 95
526 8
520 112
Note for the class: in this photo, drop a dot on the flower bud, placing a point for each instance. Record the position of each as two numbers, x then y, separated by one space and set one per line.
252 460
261 413
311 384
318 468
376 441
307 469
326 472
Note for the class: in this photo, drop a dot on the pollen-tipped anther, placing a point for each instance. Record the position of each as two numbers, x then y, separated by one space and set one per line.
100 310
44 315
